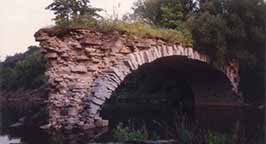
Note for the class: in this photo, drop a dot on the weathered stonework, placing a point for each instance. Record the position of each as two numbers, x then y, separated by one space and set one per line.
86 66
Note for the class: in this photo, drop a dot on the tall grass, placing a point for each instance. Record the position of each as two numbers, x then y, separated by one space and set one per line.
138 29
186 131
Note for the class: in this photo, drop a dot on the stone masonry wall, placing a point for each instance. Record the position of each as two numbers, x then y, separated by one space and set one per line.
86 66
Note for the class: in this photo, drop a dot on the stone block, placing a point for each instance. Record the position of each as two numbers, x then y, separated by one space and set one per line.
89 126
125 50
79 69
101 123
89 50
93 108
92 68
82 58
51 55
90 41
75 44
97 101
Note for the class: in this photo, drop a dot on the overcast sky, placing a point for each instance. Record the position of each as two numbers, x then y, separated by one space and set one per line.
20 19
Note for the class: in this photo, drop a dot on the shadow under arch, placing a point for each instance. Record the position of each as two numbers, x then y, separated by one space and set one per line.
196 79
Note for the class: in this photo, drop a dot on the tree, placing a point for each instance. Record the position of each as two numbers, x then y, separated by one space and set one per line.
154 10
67 11
23 70
163 13
170 14
223 29
234 29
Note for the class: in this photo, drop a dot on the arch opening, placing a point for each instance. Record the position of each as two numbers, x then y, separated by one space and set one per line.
167 86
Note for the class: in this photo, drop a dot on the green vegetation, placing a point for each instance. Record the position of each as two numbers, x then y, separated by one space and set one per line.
229 29
78 13
121 133
23 71
67 11
142 29
163 13
223 29
216 138
184 131
132 29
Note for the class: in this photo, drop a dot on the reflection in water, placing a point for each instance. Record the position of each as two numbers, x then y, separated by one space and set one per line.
216 119
5 138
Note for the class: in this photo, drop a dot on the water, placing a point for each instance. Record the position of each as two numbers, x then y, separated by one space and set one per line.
218 119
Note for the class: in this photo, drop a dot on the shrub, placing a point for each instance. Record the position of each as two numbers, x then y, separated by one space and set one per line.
215 138
121 133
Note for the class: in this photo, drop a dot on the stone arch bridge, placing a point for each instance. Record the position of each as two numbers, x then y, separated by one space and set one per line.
86 66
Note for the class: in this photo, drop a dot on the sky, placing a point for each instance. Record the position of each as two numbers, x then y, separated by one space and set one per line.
20 19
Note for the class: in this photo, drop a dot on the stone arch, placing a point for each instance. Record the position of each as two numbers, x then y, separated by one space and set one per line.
112 77
85 66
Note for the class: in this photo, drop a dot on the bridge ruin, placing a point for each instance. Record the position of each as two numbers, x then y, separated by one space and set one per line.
86 66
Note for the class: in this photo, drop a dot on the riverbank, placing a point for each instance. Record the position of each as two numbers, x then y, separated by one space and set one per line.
136 121
34 96
24 108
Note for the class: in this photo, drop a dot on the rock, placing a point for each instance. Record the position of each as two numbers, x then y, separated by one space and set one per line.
64 55
82 58
73 112
101 123
93 68
73 120
89 126
16 125
22 119
114 46
75 44
80 86
45 127
94 108
79 69
69 127
142 46
58 79
125 50
97 54
90 41
261 107
95 60
42 37
89 50
97 101
51 55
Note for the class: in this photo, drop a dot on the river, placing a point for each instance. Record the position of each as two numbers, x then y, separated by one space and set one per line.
217 119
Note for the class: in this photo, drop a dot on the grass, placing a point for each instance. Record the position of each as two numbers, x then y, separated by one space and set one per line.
134 29
184 131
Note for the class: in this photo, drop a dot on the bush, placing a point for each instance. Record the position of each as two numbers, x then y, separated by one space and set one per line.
121 133
215 138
